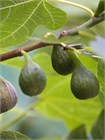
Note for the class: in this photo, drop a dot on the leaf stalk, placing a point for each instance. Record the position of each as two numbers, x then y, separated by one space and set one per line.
89 11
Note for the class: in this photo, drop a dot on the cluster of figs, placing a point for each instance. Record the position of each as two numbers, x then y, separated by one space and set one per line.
32 79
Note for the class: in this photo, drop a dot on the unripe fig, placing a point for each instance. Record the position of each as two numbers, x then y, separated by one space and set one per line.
8 97
61 61
84 84
32 79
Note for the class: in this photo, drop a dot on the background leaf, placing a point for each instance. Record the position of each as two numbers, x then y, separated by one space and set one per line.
101 73
22 17
98 129
78 133
101 78
13 135
39 126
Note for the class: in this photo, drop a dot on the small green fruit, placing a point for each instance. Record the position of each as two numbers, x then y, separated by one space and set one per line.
8 97
32 79
84 84
61 61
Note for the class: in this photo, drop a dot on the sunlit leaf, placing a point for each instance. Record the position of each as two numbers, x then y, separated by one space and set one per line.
20 18
13 135
3 50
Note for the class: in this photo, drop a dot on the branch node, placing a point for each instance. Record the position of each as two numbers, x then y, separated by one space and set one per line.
64 33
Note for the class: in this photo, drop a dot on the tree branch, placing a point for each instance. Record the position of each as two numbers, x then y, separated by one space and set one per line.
92 22
36 45
28 48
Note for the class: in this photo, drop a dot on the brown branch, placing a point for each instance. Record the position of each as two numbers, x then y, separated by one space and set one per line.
28 48
36 45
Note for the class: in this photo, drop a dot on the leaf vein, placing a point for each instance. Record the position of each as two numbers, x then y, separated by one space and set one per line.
23 23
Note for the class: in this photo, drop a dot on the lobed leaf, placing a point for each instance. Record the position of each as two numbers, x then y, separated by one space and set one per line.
20 18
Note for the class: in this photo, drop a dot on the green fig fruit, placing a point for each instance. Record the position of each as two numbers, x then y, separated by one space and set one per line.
32 79
84 84
61 61
8 97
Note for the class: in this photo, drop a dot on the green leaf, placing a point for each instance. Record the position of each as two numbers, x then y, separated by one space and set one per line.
78 133
13 135
102 98
100 8
101 78
101 74
98 128
20 18
3 50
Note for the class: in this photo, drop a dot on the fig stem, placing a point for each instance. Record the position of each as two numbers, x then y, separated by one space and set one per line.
26 56
74 58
